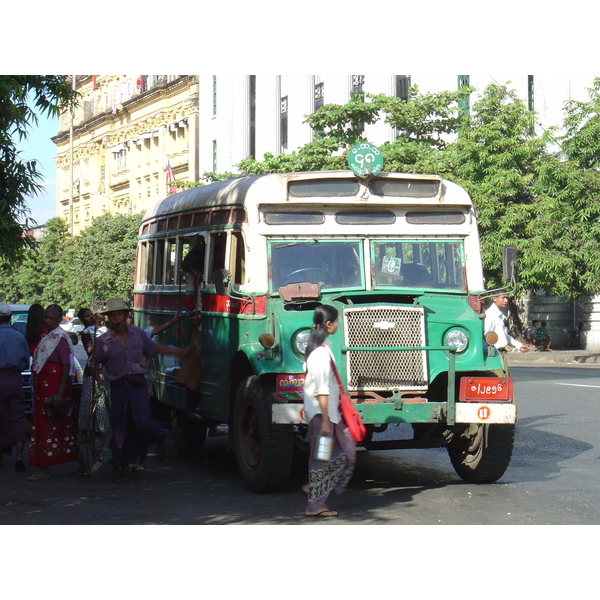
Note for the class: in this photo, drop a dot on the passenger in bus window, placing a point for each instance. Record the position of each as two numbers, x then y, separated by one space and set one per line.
191 378
123 352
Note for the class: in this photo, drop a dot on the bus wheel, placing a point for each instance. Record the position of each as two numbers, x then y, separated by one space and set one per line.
481 453
263 450
189 435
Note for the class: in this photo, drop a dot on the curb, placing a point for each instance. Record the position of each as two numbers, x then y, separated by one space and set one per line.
557 357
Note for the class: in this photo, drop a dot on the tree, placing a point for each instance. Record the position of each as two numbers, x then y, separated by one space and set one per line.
20 178
42 275
423 121
524 196
102 260
494 159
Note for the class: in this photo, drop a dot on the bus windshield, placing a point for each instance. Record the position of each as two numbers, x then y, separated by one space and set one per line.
332 263
419 264
339 264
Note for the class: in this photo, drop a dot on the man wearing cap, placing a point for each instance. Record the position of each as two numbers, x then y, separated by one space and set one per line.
496 321
14 358
122 352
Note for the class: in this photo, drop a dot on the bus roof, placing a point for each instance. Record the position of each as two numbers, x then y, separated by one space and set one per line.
233 192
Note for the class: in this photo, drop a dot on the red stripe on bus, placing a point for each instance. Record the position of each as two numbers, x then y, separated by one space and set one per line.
210 303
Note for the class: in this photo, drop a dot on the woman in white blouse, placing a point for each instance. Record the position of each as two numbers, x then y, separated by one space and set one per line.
322 412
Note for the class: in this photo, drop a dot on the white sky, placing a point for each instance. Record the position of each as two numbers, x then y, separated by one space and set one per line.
523 36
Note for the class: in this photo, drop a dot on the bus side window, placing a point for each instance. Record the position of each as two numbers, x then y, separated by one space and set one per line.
218 247
150 263
237 258
186 246
143 254
160 256
170 256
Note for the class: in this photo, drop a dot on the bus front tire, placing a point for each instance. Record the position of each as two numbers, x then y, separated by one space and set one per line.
482 453
263 450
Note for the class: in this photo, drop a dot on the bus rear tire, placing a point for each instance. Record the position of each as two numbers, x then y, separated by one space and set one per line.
482 453
263 451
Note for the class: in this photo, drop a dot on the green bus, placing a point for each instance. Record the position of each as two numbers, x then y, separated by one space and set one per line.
397 254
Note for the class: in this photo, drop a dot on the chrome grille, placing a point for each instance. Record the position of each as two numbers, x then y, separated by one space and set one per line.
384 327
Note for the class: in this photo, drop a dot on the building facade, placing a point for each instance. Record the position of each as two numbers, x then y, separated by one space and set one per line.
251 115
125 132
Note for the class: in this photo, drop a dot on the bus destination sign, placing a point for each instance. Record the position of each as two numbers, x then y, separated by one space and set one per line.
365 159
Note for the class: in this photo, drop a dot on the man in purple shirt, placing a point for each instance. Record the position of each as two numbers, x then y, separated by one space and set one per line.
122 352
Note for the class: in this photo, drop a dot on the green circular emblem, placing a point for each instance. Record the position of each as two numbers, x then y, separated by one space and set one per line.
365 159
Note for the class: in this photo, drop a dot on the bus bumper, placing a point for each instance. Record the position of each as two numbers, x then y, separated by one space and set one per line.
411 412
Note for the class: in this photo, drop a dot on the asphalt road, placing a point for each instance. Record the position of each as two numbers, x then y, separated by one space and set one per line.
553 478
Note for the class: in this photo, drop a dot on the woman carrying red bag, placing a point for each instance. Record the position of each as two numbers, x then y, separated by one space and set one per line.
322 412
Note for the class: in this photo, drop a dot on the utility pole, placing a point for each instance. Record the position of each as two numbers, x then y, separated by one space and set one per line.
71 160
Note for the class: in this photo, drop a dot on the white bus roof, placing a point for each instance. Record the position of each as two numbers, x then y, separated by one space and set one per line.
233 192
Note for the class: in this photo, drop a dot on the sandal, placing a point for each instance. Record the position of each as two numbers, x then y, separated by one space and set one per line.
325 512
39 476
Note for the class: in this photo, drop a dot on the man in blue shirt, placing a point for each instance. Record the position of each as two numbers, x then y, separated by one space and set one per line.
14 358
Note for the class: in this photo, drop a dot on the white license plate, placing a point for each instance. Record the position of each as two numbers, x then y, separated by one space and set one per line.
492 412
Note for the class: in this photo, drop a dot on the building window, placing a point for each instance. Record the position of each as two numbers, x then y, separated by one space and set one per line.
357 83
531 100
142 84
357 88
252 111
403 87
283 123
119 153
319 94
530 95
214 95
464 105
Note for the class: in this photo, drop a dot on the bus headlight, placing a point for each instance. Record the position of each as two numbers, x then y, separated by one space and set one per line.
301 341
457 338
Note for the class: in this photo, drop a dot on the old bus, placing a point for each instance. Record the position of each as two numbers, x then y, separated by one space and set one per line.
399 257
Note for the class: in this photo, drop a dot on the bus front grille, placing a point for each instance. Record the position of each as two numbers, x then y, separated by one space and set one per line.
385 327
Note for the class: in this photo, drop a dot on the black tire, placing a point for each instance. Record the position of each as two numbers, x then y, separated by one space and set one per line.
263 451
189 435
482 453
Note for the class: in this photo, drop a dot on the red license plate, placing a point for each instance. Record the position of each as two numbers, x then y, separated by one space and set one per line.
289 387
490 389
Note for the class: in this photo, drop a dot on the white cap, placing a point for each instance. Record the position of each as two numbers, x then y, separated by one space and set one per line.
5 310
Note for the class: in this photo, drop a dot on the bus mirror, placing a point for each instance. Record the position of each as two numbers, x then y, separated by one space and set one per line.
222 279
509 264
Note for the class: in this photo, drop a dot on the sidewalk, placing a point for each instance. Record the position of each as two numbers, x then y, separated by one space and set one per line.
535 358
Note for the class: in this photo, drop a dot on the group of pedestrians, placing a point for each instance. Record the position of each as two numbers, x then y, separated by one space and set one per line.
114 379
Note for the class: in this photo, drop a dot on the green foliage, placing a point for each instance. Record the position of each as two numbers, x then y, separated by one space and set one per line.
20 97
102 259
72 272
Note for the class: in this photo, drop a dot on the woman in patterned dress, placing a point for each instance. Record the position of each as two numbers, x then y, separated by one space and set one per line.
53 438
322 411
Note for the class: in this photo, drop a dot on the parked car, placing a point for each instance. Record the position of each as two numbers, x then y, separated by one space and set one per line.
73 326
19 317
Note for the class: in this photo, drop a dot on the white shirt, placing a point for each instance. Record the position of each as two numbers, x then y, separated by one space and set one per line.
320 380
494 321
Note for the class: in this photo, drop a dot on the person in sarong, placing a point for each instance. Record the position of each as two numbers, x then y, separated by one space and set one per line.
92 417
53 438
322 412
123 352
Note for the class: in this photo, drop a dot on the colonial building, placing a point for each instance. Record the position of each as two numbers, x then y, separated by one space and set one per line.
125 133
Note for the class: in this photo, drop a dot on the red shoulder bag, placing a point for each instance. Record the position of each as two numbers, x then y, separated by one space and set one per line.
351 417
